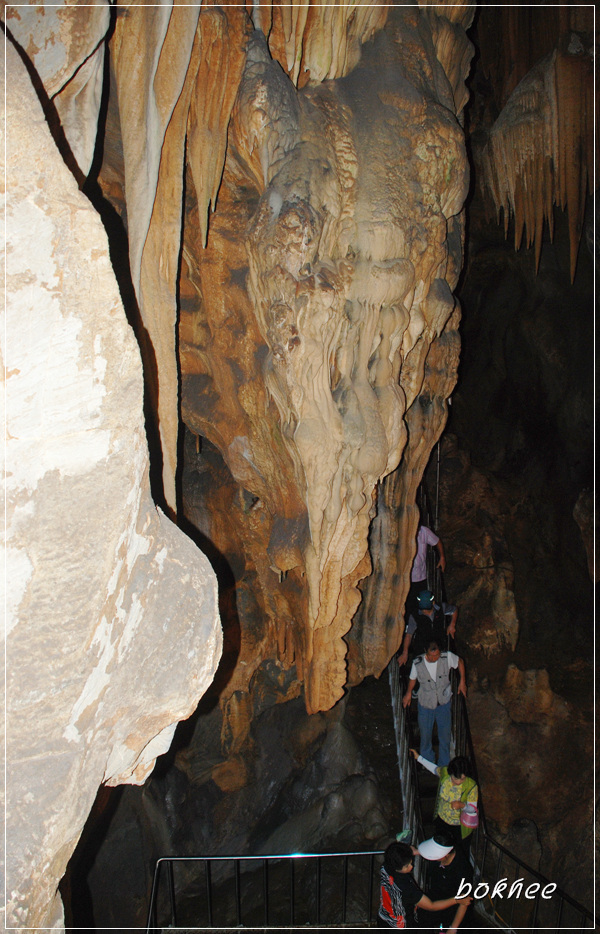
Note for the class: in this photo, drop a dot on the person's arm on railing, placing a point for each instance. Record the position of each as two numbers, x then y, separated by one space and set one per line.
458 917
411 628
408 696
442 562
462 687
451 628
403 657
430 766
443 903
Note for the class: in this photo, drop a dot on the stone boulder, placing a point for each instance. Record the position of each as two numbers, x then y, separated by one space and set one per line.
112 628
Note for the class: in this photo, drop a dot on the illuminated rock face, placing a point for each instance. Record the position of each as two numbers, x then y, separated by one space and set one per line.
312 305
113 633
307 322
308 327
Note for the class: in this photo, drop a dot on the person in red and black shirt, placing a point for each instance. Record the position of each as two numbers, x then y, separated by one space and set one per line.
400 894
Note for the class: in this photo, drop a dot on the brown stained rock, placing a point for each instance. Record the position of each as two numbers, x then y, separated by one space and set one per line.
231 775
317 341
342 292
528 697
584 515
112 630
540 152
315 43
533 762
308 311
153 102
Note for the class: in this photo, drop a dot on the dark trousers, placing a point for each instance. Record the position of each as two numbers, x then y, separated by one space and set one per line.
460 842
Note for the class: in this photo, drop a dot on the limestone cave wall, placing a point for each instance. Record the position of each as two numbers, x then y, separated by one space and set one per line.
112 630
516 465
283 191
517 519
289 187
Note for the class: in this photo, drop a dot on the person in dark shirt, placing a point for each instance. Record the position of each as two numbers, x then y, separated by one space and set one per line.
400 894
449 867
428 621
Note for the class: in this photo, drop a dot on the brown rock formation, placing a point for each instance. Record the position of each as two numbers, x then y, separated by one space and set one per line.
309 303
540 150
112 628
292 190
323 175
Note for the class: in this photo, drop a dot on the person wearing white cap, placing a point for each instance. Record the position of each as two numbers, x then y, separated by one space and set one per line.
449 868
400 894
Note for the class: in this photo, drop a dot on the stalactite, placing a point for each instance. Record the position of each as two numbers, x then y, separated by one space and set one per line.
453 49
314 42
539 152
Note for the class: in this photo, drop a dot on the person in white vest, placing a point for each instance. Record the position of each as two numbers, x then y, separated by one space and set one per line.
432 671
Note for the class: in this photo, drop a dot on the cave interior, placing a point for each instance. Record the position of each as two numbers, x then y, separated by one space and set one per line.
290 235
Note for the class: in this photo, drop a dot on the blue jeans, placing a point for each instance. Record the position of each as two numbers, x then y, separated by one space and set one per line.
442 715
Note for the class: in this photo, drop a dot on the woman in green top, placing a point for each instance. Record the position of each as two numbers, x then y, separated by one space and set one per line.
455 789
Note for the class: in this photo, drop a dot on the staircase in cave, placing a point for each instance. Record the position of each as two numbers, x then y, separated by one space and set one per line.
341 890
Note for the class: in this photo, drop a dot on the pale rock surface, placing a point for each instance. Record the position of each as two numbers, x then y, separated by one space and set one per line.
112 628
340 189
65 44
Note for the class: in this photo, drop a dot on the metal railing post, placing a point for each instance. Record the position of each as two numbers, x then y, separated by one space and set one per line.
152 919
209 891
238 897
318 890
266 890
370 896
344 888
171 892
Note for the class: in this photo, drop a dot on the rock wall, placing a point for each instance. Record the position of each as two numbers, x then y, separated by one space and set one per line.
291 187
516 508
303 370
322 240
112 626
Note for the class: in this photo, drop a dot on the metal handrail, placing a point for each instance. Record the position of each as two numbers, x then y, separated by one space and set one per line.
411 806
154 925
486 852
462 745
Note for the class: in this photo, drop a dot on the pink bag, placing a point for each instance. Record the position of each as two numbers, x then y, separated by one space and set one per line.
469 816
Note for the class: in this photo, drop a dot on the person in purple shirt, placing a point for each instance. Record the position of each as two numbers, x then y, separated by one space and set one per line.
418 574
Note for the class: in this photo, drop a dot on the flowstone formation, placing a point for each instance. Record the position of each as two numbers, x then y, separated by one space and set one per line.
291 183
337 234
321 161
